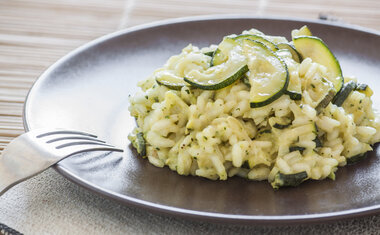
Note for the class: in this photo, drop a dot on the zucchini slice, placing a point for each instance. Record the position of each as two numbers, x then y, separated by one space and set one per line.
138 142
364 88
269 75
344 93
294 90
356 158
209 53
141 144
217 57
219 80
297 57
325 101
166 78
244 79
233 66
317 50
303 31
293 95
220 55
258 38
284 180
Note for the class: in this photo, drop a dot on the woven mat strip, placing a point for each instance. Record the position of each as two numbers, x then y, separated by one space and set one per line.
33 35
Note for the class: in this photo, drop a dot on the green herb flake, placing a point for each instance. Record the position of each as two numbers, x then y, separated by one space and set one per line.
156 99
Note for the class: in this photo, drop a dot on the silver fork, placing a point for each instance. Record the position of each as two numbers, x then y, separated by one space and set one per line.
35 151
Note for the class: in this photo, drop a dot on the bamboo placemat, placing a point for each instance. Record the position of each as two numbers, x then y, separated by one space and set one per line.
33 35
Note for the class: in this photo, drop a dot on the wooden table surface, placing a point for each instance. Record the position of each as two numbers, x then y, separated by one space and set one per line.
36 33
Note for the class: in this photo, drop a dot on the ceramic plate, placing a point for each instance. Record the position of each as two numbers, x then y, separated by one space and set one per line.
88 90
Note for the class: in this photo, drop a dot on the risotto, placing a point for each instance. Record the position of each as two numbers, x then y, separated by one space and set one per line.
254 106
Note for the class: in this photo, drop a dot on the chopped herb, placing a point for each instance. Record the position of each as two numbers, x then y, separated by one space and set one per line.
156 99
318 142
167 116
296 148
265 131
360 101
313 86
204 137
187 91
157 148
146 97
280 126
316 127
237 109
351 105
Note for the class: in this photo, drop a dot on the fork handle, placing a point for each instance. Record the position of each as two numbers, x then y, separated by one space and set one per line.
9 179
16 166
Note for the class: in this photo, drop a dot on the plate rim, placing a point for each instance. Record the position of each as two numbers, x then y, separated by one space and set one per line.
187 213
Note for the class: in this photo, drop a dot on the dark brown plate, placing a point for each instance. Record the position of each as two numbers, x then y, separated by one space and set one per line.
88 90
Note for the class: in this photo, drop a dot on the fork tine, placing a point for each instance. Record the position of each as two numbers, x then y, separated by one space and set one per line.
32 147
74 138
74 149
65 132
82 143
